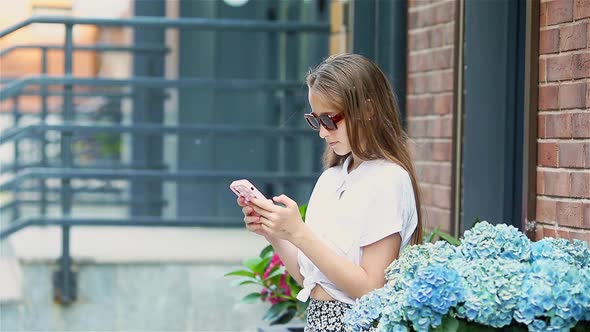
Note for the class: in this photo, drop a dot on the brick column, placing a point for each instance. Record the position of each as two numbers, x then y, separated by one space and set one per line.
429 106
563 164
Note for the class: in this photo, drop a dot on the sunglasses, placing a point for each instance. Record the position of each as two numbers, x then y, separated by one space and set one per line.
327 121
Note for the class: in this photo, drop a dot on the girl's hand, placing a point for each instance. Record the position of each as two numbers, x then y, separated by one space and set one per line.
278 221
251 218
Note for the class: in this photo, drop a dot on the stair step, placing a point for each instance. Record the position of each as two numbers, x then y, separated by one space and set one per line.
10 280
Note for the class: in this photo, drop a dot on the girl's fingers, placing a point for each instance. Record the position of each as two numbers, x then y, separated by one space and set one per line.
252 220
266 229
265 204
260 211
246 210
285 200
242 201
265 222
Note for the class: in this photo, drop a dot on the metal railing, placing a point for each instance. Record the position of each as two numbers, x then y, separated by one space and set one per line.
64 168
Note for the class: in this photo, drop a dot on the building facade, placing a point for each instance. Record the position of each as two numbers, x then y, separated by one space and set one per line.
554 125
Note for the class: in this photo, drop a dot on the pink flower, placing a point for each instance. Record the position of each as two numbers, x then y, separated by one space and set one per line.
274 261
283 288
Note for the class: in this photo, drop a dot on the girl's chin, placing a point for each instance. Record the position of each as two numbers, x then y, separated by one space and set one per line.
340 151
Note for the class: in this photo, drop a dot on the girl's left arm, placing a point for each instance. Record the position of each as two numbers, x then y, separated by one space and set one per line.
285 222
353 279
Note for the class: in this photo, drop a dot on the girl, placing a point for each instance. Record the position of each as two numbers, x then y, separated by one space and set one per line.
365 206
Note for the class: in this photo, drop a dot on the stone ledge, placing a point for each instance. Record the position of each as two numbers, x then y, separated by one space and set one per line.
10 280
137 244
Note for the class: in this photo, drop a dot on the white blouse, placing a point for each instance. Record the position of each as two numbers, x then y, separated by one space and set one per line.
351 210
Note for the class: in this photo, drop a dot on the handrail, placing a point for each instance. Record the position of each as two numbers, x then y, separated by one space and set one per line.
146 128
96 47
17 86
64 278
12 167
207 221
179 23
79 201
123 174
94 93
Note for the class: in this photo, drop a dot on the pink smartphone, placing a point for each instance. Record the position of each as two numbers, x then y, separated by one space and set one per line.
245 189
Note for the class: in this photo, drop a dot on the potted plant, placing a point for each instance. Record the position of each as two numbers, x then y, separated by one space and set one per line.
276 286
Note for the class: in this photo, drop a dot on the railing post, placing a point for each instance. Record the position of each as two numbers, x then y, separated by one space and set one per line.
148 107
43 140
16 164
288 149
64 280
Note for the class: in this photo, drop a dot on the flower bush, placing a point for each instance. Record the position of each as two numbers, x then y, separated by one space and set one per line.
494 279
276 286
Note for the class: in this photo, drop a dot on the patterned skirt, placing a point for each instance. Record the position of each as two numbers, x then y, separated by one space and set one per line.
326 316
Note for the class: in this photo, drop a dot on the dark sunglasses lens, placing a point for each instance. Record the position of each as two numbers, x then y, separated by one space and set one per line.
328 122
312 122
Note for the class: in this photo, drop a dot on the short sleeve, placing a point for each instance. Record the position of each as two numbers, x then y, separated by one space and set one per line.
391 209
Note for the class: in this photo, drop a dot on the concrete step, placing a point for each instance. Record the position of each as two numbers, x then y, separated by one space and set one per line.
10 281
138 245
178 296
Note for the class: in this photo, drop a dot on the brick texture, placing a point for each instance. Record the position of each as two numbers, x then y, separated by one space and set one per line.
563 146
429 105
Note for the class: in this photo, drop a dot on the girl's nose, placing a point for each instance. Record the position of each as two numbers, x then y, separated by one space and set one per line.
324 132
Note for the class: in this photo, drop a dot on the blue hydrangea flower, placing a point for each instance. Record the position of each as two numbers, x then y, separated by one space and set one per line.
431 294
575 252
497 276
556 290
393 317
492 290
417 256
366 312
488 241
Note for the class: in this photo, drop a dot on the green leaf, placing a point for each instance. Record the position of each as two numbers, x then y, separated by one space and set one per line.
449 324
241 273
242 281
278 272
465 326
582 326
295 288
515 327
285 317
261 266
250 298
430 237
248 281
252 262
275 310
449 238
303 211
301 308
268 251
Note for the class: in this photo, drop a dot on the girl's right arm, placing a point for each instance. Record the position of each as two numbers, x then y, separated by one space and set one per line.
288 253
285 249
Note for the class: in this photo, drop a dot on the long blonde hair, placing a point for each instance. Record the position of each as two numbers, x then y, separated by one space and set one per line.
357 87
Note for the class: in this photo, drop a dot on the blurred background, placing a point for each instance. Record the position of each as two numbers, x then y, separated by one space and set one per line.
122 124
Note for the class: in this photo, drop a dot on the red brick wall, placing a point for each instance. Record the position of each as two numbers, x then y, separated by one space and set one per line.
563 145
429 104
